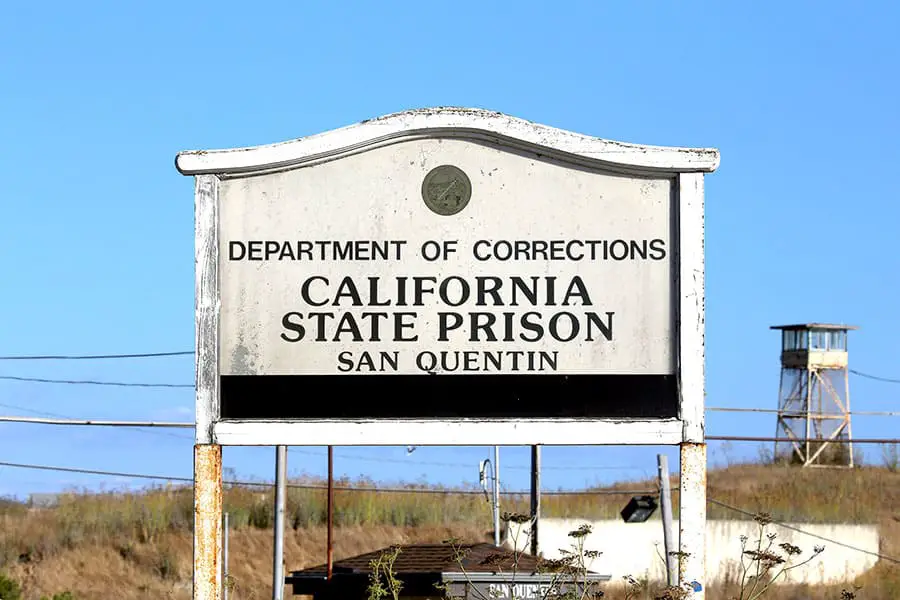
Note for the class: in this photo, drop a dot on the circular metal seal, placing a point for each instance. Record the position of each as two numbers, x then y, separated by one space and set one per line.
446 190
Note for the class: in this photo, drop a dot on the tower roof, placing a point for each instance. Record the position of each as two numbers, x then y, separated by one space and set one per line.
828 326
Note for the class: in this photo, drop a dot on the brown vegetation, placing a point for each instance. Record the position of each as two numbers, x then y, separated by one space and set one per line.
129 546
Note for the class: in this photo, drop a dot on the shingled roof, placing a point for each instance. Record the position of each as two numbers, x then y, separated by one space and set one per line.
435 558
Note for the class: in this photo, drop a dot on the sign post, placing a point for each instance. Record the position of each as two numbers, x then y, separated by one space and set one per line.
450 277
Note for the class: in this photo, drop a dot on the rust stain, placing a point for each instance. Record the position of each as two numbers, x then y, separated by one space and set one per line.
207 522
692 455
693 487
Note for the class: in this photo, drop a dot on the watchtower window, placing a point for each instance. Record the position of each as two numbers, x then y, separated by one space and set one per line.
818 340
793 339
837 340
834 341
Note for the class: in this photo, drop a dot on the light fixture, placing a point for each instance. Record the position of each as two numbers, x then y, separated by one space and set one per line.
639 509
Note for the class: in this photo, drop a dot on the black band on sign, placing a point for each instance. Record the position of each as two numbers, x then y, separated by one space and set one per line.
447 396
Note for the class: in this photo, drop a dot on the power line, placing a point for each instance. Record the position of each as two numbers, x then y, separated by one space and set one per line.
66 417
101 423
866 413
875 377
92 382
414 462
798 530
748 438
63 420
320 487
95 356
58 419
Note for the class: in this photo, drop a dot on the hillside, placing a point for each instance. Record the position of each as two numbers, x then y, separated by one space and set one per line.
129 546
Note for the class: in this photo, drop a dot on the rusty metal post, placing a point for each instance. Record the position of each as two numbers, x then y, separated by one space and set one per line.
692 520
207 522
330 516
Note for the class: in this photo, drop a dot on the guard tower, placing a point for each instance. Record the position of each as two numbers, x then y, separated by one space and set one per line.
814 396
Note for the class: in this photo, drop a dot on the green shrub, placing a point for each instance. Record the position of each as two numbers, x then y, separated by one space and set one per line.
9 589
60 596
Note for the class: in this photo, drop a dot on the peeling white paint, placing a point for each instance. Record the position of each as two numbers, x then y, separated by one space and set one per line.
484 125
206 299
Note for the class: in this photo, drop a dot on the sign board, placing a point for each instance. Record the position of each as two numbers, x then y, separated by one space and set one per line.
449 276
522 586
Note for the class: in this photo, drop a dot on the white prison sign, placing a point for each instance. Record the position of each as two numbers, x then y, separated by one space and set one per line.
443 264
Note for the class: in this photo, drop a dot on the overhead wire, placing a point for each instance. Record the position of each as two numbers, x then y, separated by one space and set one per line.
94 382
468 466
95 356
59 419
153 431
875 377
399 490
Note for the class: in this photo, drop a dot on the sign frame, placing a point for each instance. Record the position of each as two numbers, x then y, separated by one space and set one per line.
685 166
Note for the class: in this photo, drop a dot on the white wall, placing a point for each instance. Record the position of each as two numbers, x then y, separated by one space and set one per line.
636 549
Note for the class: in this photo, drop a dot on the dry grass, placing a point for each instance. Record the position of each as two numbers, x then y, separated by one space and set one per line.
129 546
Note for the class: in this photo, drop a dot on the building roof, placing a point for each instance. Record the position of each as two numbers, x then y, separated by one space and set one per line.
434 559
828 326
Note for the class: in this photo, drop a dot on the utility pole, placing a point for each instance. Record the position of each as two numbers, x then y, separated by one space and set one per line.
535 496
280 494
665 500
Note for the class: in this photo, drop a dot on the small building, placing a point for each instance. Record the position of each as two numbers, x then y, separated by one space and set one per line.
436 571
43 500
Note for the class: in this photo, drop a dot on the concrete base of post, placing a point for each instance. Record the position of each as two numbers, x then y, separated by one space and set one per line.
207 574
692 520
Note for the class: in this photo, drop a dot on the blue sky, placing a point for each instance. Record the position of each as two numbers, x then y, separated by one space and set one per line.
97 227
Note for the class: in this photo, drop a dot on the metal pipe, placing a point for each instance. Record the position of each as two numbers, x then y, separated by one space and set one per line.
535 496
665 499
207 574
330 510
280 494
496 495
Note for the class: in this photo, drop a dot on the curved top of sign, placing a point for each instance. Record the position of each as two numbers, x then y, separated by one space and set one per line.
448 122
